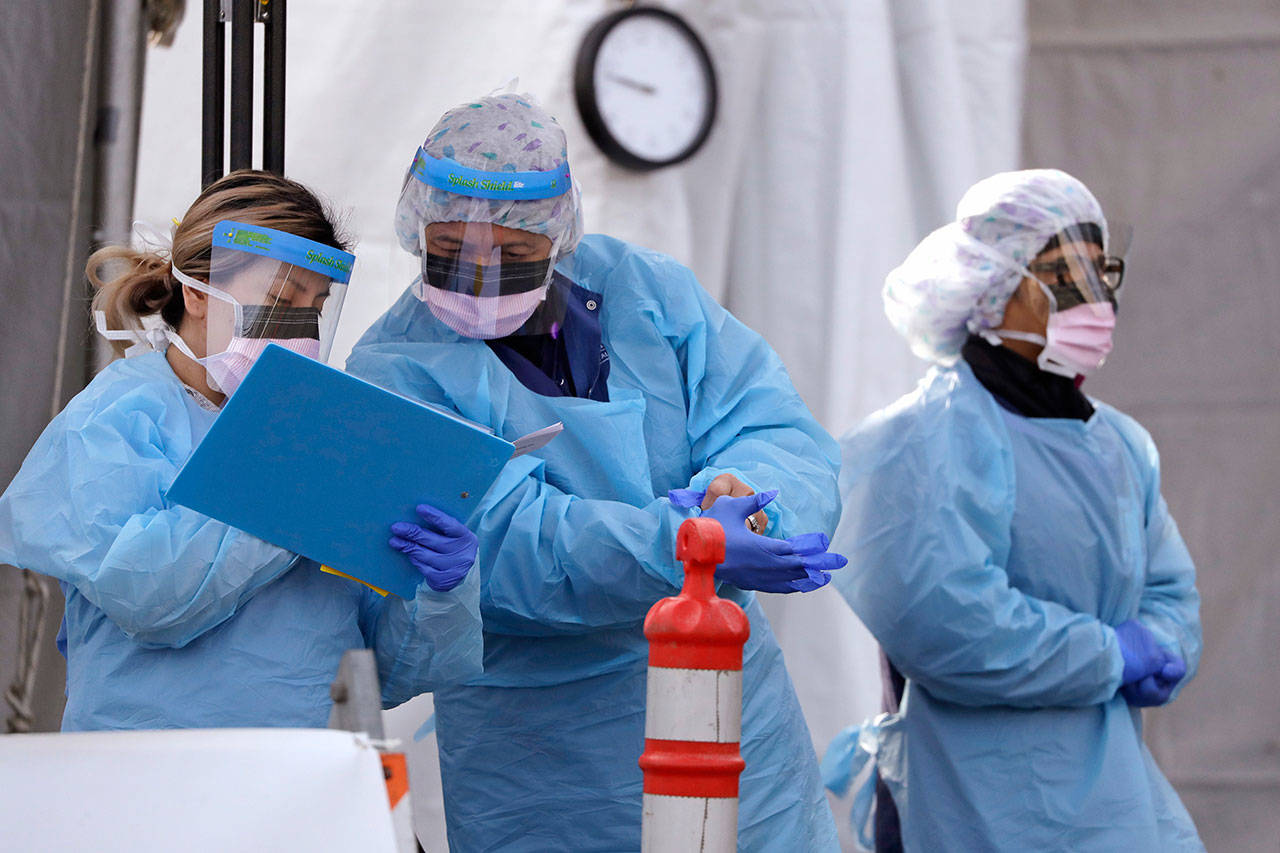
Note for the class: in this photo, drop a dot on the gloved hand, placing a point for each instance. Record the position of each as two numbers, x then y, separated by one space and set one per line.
752 561
443 551
1142 654
721 486
1156 688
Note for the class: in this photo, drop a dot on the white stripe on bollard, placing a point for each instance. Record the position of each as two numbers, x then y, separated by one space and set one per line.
694 705
713 820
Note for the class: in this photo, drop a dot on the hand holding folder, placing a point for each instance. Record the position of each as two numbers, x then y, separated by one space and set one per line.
321 463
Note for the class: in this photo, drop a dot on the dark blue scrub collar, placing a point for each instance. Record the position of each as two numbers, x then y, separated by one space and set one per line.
572 362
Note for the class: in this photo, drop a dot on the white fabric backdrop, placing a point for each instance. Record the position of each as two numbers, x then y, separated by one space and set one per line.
847 130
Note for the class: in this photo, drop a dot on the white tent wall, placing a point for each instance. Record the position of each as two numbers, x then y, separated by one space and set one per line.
846 131
1170 111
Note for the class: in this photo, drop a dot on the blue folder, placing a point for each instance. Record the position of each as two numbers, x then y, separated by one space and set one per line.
321 463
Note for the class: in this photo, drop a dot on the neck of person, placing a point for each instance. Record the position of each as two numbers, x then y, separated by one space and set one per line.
192 373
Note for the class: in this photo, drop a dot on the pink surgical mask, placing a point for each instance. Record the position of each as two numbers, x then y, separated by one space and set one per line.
482 317
1076 341
1079 339
228 369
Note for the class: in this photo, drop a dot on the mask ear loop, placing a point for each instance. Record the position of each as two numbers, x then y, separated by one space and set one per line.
147 339
996 337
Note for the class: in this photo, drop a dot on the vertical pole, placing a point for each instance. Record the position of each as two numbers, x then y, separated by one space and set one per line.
116 137
273 15
357 707
242 17
213 101
693 706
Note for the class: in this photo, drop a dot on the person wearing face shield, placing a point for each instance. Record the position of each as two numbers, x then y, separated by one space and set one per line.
173 619
670 406
1011 550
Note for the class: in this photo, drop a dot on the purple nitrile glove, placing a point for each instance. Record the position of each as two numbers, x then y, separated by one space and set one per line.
1157 688
686 498
799 564
1141 653
443 551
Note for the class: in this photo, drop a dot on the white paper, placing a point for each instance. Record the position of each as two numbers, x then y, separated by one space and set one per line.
537 439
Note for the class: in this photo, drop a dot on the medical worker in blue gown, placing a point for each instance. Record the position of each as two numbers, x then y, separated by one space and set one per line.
1011 551
518 322
173 619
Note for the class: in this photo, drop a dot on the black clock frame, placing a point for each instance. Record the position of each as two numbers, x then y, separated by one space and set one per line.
585 90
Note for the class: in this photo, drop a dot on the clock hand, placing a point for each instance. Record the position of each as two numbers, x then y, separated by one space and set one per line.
634 84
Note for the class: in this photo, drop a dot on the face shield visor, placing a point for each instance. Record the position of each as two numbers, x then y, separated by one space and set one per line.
1076 268
481 278
267 286
1081 281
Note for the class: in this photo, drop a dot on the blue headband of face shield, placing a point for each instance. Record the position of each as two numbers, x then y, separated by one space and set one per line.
328 261
454 177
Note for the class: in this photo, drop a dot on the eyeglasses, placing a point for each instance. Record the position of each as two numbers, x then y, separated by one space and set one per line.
1061 275
1111 271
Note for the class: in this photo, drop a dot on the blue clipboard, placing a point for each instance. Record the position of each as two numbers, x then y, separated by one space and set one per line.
321 463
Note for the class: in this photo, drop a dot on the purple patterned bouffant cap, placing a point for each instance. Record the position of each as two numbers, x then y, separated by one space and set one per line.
497 133
959 279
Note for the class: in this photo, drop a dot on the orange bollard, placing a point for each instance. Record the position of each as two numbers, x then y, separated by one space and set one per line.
693 711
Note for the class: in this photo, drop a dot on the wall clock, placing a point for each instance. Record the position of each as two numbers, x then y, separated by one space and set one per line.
645 87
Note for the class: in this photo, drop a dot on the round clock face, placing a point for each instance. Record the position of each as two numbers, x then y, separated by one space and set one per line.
646 88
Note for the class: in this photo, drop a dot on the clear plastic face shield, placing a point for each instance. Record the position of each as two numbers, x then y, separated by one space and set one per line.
1076 269
482 279
268 286
1081 281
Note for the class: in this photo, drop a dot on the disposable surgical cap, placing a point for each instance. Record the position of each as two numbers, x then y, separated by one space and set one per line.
960 278
497 133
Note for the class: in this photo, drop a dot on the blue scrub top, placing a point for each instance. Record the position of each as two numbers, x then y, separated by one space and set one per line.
571 361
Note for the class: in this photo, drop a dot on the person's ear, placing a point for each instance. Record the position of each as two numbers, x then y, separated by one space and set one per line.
196 302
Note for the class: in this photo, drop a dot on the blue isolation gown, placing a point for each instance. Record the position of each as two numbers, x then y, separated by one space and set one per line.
577 541
174 620
989 553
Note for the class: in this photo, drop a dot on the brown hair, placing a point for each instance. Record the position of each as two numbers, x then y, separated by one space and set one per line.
140 283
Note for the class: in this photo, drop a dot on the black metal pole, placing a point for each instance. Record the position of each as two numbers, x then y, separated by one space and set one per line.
214 94
242 84
273 87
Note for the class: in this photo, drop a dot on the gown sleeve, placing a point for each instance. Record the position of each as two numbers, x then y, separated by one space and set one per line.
431 641
88 508
1170 605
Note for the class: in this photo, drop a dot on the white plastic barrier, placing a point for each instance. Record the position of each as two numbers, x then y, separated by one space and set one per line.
193 790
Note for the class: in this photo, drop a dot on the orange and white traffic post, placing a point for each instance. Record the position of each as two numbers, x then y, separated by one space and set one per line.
693 711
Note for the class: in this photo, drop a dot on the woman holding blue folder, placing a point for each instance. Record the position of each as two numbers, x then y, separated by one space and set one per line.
669 404
173 619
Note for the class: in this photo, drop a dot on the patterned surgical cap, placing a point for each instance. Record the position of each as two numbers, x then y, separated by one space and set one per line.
497 133
959 279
